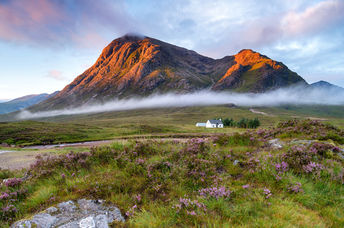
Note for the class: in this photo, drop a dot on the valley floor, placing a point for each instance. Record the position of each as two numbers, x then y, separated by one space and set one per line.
165 122
162 171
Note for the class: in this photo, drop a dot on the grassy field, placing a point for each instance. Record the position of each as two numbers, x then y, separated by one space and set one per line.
236 180
169 122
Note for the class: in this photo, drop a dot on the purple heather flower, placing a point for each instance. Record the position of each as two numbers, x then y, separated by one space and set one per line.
215 192
296 188
267 193
4 195
140 161
11 182
312 166
245 186
138 198
191 212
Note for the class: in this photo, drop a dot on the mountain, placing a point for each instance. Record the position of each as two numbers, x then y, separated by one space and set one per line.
139 66
24 102
326 85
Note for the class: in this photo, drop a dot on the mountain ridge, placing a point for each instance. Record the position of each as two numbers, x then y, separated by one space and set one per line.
139 66
325 84
24 102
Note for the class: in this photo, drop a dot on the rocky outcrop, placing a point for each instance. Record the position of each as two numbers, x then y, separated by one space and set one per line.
83 213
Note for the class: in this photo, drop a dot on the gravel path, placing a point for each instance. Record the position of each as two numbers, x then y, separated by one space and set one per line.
260 112
17 159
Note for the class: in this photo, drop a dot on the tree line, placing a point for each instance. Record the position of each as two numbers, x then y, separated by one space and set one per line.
243 123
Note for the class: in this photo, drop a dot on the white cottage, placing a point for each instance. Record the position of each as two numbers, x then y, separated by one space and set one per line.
214 124
201 124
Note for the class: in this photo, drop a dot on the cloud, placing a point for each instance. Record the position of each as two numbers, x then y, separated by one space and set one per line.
61 23
313 19
57 75
305 35
281 26
214 27
294 95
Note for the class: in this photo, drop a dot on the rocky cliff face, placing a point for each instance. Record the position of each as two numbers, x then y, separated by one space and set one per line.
253 72
139 66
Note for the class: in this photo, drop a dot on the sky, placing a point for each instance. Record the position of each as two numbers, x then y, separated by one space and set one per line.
45 44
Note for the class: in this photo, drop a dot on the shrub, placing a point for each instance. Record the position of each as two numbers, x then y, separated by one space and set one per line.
235 140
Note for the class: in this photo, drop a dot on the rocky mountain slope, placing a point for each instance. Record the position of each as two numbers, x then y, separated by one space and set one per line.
139 66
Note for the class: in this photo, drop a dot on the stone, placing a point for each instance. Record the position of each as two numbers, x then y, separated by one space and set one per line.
70 214
74 224
89 205
302 142
276 143
68 206
87 222
51 210
43 220
341 154
24 224
102 221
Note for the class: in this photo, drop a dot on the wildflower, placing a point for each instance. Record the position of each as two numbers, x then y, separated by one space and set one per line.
131 211
296 188
245 186
63 176
312 166
12 182
267 193
14 194
214 192
278 178
191 212
4 195
188 204
9 208
138 198
140 161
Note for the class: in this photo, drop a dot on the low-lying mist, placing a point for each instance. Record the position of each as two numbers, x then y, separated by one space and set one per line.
294 96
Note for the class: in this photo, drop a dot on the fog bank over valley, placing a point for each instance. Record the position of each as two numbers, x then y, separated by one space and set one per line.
291 95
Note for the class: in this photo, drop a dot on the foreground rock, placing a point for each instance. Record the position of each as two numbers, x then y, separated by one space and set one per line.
83 213
276 143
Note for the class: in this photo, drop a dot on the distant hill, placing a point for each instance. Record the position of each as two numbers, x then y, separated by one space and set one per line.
139 66
23 102
326 85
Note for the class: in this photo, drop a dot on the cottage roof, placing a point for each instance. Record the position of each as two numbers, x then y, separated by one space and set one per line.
215 122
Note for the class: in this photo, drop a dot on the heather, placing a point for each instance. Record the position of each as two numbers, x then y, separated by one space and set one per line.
226 180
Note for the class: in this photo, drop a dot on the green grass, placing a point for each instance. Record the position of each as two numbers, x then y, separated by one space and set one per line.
162 172
168 122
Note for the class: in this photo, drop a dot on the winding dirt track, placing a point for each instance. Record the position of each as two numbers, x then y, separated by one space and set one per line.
260 112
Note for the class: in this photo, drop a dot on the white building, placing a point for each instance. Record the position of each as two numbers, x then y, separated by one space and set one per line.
214 124
201 124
